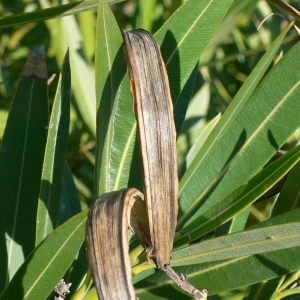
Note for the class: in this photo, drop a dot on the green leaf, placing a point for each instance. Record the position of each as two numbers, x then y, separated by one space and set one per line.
21 162
48 263
287 200
229 157
54 12
289 197
110 70
181 106
240 244
182 41
242 197
236 224
225 275
263 290
236 12
69 203
146 10
78 273
87 28
55 155
65 34
199 142
83 81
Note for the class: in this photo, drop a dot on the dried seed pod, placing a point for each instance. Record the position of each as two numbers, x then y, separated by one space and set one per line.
107 241
61 290
154 113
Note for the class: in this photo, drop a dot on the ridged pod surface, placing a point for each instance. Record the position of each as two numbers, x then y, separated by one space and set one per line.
157 136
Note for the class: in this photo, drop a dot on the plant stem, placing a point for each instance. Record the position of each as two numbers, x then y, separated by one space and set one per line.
80 293
289 281
286 293
183 284
141 268
134 255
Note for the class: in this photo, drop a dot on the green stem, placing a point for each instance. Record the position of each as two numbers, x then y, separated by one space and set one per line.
286 293
141 268
289 281
134 255
80 293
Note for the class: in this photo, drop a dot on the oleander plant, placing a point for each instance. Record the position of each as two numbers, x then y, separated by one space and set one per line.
149 149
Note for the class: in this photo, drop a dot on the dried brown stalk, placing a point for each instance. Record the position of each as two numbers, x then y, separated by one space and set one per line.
153 223
286 8
107 241
183 284
154 112
157 136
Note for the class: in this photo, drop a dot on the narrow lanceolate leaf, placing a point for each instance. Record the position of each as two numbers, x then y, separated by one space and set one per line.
289 197
240 271
198 143
21 161
55 155
182 40
69 203
82 73
110 67
240 244
47 264
242 197
107 241
54 12
181 105
229 157
154 112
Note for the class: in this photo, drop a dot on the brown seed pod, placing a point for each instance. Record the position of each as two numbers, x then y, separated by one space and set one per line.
154 113
107 241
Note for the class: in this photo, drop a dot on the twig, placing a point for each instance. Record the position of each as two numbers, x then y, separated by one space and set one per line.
270 15
183 284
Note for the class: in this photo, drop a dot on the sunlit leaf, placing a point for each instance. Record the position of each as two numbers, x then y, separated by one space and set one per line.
21 162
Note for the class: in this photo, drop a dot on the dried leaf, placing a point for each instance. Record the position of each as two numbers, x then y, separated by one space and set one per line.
107 241
285 7
154 112
36 64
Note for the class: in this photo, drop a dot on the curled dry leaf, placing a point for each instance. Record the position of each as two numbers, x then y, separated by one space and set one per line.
157 136
154 223
107 241
154 113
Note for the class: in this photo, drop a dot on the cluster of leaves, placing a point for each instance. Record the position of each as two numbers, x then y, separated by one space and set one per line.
226 163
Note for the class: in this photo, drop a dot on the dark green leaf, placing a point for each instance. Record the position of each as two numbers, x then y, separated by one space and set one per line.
110 70
21 162
55 155
48 263
242 197
69 203
220 276
54 12
289 197
182 40
228 158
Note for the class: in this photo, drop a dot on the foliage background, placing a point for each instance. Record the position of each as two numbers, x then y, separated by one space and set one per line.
224 66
